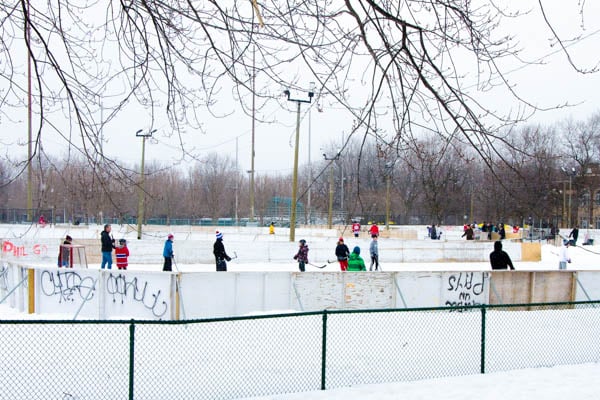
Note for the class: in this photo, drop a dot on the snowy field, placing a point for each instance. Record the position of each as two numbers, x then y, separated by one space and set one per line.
575 382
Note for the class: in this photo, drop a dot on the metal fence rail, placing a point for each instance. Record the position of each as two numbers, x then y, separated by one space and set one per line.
230 358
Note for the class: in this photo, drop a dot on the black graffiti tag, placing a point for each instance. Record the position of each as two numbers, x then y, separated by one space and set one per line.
67 285
121 288
3 277
467 287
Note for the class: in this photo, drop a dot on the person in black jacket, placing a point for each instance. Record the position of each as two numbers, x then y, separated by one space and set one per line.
108 244
574 234
499 259
342 252
220 254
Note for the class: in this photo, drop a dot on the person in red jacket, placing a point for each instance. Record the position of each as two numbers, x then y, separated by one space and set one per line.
356 228
374 230
121 254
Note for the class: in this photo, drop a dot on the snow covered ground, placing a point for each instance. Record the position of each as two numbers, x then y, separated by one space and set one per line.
576 382
563 382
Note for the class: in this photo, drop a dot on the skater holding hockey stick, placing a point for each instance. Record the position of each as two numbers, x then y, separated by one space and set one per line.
302 255
220 254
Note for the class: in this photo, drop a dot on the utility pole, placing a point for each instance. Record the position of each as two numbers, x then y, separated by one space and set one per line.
331 186
295 175
389 166
29 123
253 133
141 191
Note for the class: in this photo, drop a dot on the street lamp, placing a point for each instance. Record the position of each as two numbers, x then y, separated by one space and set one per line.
141 194
329 214
295 176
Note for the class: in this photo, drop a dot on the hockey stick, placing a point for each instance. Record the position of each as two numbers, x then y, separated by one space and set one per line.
318 266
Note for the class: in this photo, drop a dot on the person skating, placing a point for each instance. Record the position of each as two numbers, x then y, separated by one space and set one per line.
374 230
342 252
121 254
356 228
374 250
168 253
355 262
108 244
433 233
468 233
499 259
302 255
220 254
564 258
574 234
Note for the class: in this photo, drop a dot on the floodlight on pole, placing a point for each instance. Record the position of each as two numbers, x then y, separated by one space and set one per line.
295 173
141 191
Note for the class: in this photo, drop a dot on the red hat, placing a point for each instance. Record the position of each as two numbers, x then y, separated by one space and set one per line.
341 239
170 236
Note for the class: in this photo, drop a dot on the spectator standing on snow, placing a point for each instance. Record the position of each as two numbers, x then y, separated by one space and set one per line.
121 254
499 259
574 234
355 262
342 252
302 255
356 228
108 244
563 257
374 230
374 250
272 229
468 233
64 253
220 254
168 253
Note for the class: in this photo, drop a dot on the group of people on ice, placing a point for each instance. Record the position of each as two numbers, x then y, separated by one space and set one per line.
349 261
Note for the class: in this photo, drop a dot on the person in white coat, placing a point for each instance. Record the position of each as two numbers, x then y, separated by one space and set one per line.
564 257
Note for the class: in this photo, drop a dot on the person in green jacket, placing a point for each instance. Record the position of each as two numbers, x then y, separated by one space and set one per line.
355 262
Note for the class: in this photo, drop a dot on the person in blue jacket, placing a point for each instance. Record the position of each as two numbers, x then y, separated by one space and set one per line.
168 253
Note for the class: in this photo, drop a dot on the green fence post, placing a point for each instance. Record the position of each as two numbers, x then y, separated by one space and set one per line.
131 357
324 350
483 314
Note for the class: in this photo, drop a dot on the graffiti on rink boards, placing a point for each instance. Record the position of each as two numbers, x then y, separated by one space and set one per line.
123 289
464 289
67 286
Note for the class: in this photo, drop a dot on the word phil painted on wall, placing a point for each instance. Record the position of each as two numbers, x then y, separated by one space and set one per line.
465 289
9 248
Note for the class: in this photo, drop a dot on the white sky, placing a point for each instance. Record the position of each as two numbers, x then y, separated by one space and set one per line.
550 83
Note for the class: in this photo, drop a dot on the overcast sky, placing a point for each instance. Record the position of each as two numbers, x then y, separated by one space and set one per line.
549 82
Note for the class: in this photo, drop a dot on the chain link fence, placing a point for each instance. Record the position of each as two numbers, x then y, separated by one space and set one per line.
264 355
